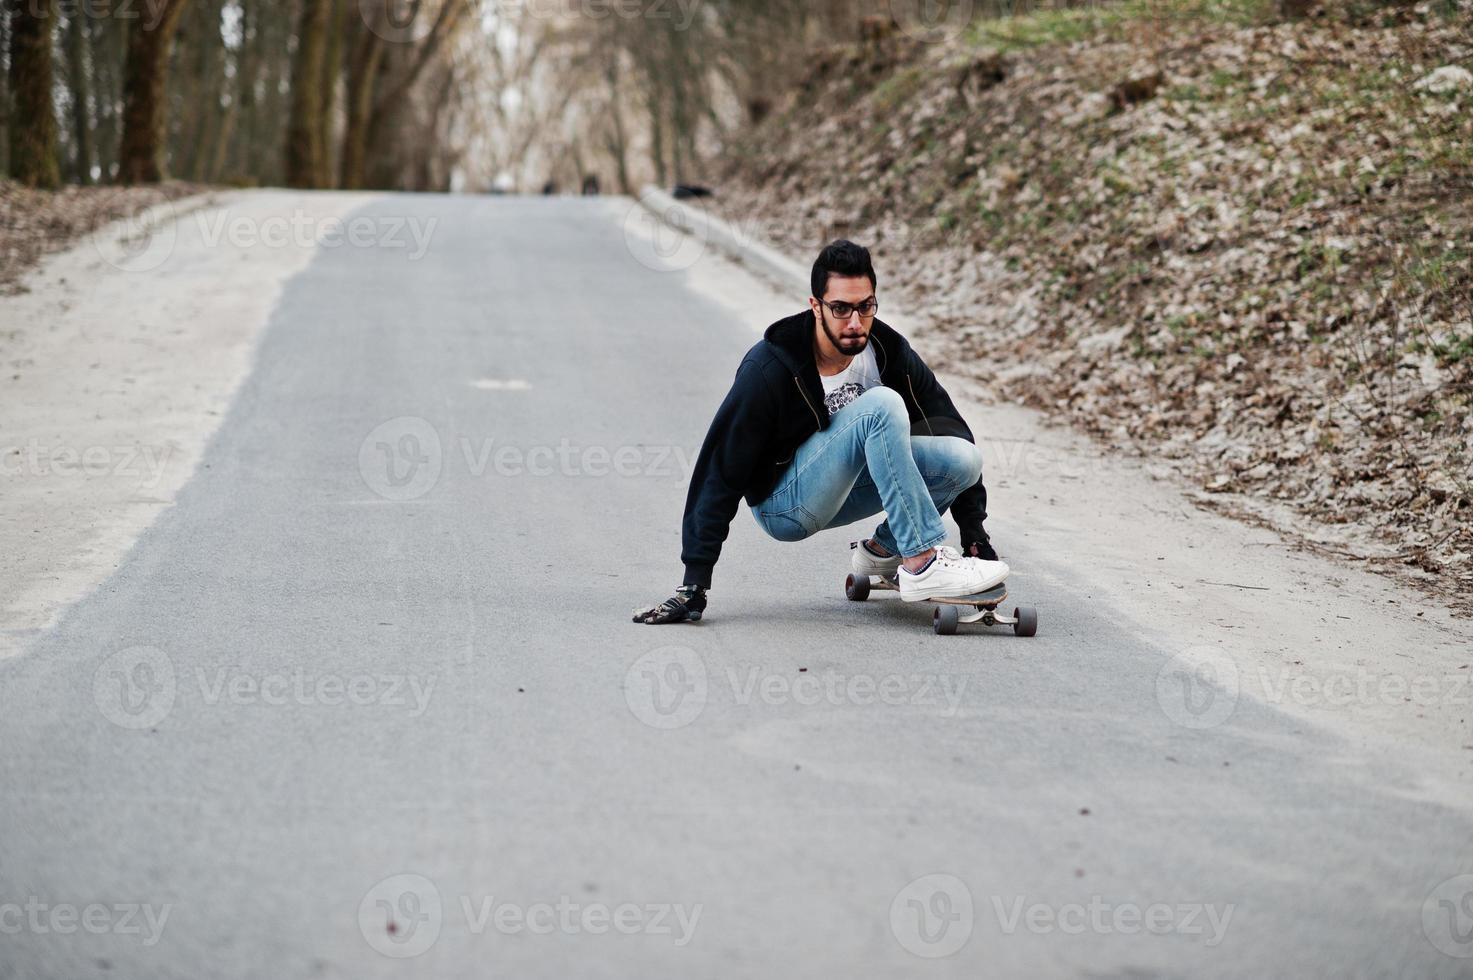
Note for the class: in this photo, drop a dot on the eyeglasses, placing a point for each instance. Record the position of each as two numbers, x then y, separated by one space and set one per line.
844 311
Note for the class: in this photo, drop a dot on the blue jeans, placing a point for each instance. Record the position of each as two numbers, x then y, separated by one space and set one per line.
866 462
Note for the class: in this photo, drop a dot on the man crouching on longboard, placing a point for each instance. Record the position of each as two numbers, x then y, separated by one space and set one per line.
816 432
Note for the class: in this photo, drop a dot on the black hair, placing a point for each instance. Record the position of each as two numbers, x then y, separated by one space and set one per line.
841 258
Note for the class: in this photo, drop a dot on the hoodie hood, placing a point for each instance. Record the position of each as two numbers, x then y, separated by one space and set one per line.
792 340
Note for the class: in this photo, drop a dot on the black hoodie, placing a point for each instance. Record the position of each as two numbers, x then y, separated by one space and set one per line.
774 405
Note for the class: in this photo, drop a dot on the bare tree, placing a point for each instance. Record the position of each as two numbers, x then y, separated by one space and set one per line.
199 69
377 84
108 43
78 83
331 71
408 94
33 116
365 53
141 153
304 131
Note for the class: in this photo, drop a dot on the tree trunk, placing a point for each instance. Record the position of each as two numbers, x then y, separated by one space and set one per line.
657 141
212 116
215 163
141 152
107 43
76 50
304 150
385 165
382 92
202 90
4 93
332 70
619 140
434 161
234 164
276 31
362 78
33 117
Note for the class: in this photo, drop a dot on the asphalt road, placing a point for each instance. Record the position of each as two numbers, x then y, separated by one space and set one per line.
367 702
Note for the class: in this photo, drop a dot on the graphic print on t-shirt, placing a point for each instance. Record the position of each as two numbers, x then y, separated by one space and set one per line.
862 374
842 395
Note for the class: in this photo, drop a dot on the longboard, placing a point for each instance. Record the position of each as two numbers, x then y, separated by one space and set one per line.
948 613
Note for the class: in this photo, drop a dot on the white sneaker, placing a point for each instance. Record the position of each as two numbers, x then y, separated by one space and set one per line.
866 562
950 576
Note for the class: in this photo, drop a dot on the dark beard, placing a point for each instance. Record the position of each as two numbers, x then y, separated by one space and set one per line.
846 349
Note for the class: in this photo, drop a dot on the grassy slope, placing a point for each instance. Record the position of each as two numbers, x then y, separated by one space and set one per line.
1264 269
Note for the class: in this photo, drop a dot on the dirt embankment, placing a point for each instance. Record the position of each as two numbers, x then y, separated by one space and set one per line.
1240 244
34 224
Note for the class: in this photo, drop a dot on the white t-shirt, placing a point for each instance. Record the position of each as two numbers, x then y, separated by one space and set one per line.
862 374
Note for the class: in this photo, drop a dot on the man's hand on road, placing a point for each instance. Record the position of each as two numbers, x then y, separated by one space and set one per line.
976 544
688 603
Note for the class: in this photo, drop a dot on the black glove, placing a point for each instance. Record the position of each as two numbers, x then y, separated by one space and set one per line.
688 603
976 544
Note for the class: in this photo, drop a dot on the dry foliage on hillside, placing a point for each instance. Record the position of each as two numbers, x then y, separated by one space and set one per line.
35 223
1243 245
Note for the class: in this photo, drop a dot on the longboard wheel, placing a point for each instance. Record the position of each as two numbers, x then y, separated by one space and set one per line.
856 588
944 620
1027 621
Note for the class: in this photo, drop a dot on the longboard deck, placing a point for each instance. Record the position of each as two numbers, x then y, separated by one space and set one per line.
951 611
993 597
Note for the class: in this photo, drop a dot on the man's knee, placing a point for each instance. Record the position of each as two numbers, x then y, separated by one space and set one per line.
884 403
973 464
954 461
